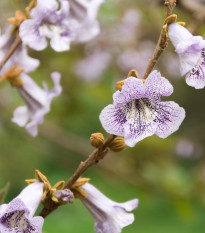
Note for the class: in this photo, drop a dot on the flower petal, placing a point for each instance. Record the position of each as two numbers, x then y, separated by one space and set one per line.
169 118
178 33
30 35
157 86
20 116
32 127
60 43
56 91
31 196
137 130
44 8
112 119
196 77
133 88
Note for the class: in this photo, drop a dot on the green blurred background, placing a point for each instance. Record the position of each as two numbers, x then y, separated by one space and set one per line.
167 175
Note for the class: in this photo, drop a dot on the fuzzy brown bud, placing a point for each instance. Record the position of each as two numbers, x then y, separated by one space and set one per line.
63 196
119 85
117 145
97 139
133 73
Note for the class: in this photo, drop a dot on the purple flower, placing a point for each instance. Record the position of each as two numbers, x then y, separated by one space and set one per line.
191 51
17 216
20 55
109 216
85 12
47 21
137 111
37 102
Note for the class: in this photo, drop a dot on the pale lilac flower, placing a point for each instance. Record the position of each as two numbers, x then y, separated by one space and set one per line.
93 66
109 216
137 111
37 102
20 55
85 12
191 51
17 216
47 21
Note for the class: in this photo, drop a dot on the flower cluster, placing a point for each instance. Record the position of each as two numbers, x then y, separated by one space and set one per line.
62 22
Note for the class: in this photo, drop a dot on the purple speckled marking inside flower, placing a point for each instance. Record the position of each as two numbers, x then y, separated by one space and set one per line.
17 221
196 77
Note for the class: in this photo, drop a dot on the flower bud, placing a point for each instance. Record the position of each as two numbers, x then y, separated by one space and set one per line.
117 145
64 196
119 85
133 73
97 139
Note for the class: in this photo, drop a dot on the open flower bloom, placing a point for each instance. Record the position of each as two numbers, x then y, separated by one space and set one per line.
37 102
27 63
137 111
17 216
191 51
109 216
85 12
47 21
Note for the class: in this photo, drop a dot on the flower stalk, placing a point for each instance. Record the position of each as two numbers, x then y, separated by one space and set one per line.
162 42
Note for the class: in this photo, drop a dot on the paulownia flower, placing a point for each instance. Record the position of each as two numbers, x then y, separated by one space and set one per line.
109 216
17 216
37 102
47 21
85 12
137 111
27 63
191 51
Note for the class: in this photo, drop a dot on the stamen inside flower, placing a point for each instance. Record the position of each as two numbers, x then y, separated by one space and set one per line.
140 108
17 222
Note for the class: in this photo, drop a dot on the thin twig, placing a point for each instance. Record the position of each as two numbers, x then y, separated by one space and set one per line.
11 51
162 42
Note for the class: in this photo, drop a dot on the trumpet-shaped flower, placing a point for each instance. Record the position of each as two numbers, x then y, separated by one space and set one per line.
85 12
109 216
137 111
37 102
47 21
191 51
20 55
17 216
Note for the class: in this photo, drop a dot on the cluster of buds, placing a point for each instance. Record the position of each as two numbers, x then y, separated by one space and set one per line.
97 140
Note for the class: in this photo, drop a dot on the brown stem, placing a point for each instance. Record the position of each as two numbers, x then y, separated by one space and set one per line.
93 158
162 42
13 48
170 4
